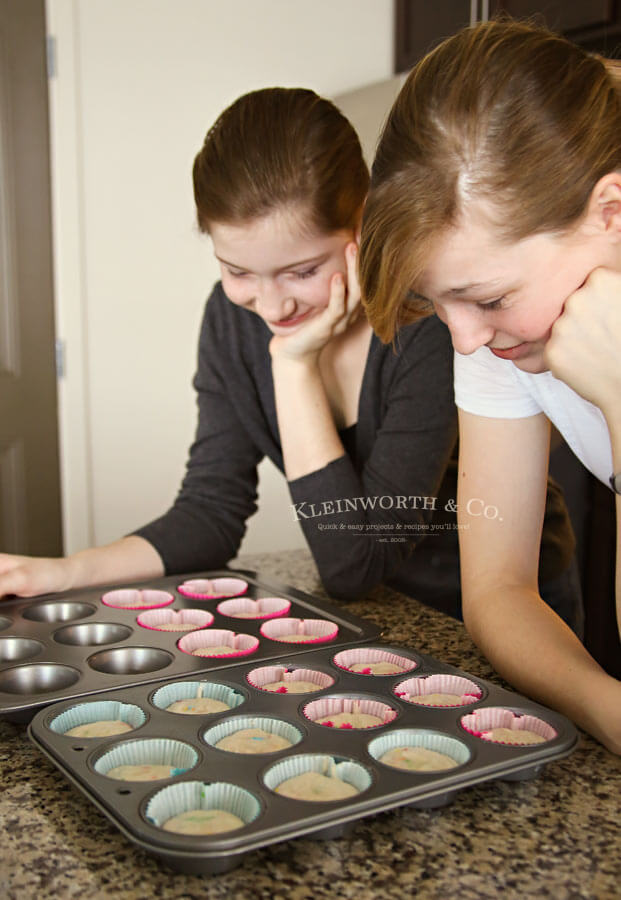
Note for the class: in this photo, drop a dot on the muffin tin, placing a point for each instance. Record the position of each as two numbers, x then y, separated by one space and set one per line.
244 784
75 644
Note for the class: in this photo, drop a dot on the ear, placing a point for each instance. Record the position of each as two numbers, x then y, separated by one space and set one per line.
604 208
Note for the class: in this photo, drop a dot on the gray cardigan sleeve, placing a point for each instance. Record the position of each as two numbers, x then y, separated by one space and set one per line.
362 523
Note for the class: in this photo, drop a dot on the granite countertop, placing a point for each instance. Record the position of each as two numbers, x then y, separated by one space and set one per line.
556 836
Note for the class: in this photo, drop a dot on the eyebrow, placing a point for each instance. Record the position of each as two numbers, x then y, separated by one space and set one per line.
317 260
473 286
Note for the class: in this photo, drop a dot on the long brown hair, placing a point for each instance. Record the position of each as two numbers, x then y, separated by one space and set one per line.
278 147
502 111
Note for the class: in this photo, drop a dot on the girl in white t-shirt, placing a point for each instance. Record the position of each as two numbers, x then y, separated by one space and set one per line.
496 202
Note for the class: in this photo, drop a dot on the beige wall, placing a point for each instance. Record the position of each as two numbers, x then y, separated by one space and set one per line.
137 84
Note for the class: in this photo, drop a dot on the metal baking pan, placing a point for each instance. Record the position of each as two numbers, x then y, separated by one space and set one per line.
125 803
71 645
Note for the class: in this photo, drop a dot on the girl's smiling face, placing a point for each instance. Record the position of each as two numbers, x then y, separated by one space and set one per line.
278 268
507 296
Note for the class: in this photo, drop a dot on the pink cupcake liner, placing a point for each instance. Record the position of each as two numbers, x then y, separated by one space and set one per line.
245 608
240 644
136 598
439 683
213 589
331 706
347 658
315 631
257 678
156 618
483 720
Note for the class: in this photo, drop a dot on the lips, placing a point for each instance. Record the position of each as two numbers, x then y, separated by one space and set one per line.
515 352
293 320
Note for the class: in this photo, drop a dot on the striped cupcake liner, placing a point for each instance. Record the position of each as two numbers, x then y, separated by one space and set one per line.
190 690
185 796
213 588
415 690
198 643
361 655
175 620
333 767
258 678
484 720
264 608
136 598
265 723
101 710
333 706
414 737
156 751
300 631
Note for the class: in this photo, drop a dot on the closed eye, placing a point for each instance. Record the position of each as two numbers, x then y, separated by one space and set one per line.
307 273
491 304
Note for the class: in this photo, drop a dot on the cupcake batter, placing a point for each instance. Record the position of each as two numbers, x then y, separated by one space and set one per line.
291 687
377 668
438 699
102 728
145 772
314 786
417 759
203 821
219 650
351 720
253 740
197 706
513 736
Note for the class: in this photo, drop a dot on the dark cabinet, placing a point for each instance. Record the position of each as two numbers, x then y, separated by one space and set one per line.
421 24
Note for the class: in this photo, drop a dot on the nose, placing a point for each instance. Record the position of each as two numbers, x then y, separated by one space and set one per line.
468 329
272 301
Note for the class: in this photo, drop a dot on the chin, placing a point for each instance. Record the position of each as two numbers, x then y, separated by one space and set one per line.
534 365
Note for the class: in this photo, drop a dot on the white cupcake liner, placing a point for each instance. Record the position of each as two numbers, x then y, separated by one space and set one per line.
272 726
100 710
155 618
184 796
347 658
240 644
263 608
347 770
155 751
331 706
315 631
213 588
258 678
189 690
438 683
136 598
413 737
482 720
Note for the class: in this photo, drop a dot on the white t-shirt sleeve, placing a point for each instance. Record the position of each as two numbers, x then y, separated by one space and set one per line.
488 386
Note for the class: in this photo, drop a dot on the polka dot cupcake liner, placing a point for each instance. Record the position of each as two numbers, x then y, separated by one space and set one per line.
265 675
186 796
366 660
175 755
438 690
213 588
264 723
191 690
428 740
136 598
502 726
264 608
300 631
218 643
175 620
99 711
335 706
346 770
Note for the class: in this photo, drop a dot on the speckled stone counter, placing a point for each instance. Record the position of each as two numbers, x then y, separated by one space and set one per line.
554 837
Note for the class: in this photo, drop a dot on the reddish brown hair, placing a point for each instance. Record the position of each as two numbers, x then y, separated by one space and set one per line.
503 111
278 147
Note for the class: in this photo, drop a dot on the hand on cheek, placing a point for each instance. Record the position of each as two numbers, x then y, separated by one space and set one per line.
584 349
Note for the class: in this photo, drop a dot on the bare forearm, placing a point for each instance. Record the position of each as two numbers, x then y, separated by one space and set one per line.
308 434
127 559
535 651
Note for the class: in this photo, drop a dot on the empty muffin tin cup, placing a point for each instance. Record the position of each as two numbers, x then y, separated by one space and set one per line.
439 690
130 660
37 678
213 588
92 634
346 770
187 796
333 707
136 598
503 726
288 681
98 711
58 611
300 631
373 661
218 643
428 740
175 755
175 620
241 723
245 608
14 648
191 691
